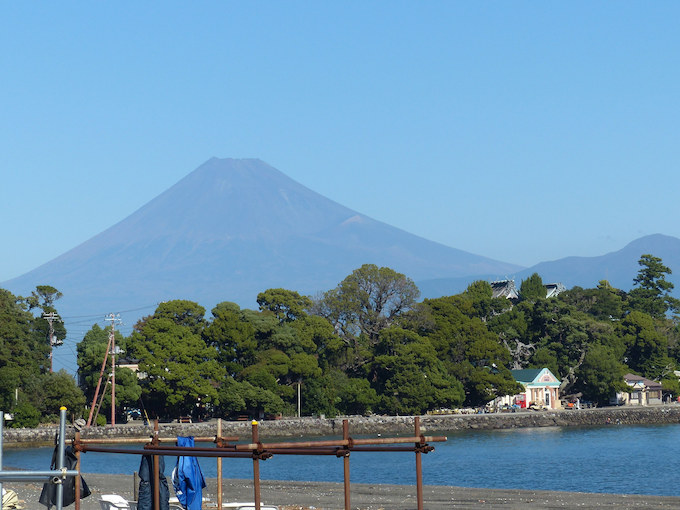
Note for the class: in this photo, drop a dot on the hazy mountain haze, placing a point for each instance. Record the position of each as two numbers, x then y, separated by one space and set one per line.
619 268
235 227
229 230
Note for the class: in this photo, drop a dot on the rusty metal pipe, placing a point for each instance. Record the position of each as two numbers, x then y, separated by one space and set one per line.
140 440
345 465
419 468
161 451
256 467
221 452
156 472
219 466
342 442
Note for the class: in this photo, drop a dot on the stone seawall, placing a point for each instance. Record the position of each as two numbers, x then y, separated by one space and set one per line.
373 425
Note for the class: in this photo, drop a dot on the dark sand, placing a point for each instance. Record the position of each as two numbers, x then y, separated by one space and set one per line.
322 495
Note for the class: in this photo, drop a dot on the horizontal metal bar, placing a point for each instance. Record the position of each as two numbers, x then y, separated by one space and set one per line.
213 452
36 475
141 440
342 442
327 450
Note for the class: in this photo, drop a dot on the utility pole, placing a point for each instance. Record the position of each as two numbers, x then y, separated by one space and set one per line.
112 341
54 342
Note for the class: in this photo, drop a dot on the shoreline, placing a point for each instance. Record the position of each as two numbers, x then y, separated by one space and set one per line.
361 425
330 496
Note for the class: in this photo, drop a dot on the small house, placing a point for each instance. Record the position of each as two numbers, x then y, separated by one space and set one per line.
541 388
642 392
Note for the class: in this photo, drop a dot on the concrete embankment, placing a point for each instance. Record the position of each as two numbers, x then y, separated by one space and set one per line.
373 425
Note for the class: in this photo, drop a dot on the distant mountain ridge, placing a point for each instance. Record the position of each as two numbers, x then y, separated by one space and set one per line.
618 267
229 230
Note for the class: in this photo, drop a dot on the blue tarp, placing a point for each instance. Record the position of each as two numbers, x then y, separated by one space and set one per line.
187 478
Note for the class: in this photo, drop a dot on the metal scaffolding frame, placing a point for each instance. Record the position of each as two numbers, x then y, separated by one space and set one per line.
224 448
54 476
257 451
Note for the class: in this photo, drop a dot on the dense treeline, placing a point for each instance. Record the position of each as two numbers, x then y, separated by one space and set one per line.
28 388
366 346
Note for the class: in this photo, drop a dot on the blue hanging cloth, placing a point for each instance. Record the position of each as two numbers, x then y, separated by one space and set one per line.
187 478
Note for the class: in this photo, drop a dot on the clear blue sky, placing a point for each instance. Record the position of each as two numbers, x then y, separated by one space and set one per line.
523 131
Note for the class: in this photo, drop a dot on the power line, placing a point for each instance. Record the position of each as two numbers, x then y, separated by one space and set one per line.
103 314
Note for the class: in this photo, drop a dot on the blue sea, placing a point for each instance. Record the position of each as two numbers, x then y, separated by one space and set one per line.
611 459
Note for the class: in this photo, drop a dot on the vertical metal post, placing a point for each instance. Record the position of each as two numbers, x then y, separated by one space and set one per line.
345 462
219 466
77 501
2 431
113 320
256 466
60 456
419 467
156 472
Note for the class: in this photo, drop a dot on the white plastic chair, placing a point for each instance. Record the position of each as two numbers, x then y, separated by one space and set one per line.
114 502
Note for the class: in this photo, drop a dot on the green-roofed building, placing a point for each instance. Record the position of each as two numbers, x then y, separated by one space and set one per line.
541 388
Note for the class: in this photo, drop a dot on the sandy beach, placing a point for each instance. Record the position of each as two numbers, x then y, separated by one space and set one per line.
320 495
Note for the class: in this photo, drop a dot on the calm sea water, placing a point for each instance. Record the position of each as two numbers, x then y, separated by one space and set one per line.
613 459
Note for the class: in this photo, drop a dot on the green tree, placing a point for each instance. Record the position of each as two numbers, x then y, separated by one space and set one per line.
23 355
319 396
286 305
470 352
603 303
90 356
48 334
183 313
600 376
181 371
356 397
25 415
318 337
233 336
236 397
483 305
43 297
56 390
91 351
652 296
410 378
532 289
511 330
369 300
646 348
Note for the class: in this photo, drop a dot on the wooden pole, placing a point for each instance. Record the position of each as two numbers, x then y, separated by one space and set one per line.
345 462
256 466
219 467
419 468
99 382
